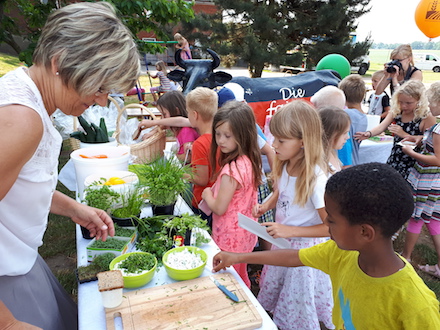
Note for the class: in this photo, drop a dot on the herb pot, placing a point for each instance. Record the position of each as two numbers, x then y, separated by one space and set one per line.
85 233
163 209
126 222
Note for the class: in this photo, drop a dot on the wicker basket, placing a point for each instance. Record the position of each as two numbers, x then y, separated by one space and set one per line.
75 143
150 148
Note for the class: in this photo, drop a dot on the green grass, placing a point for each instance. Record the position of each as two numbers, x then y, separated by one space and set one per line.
8 63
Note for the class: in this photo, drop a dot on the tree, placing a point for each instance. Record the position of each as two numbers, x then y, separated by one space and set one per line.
143 15
262 32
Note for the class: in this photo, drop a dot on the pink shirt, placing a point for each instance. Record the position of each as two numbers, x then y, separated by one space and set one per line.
226 232
186 134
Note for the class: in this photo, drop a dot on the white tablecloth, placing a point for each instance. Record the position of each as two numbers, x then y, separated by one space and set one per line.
371 151
91 313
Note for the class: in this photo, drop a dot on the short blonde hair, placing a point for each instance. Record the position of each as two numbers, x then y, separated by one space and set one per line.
433 93
353 87
378 74
204 101
402 51
328 95
416 90
91 48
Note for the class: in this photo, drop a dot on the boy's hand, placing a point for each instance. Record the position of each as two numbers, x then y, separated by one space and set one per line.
222 260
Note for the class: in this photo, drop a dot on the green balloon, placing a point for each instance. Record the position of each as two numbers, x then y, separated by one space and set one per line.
335 62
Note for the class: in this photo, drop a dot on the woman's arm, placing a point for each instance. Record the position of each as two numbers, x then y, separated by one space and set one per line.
277 230
95 220
21 130
285 258
219 205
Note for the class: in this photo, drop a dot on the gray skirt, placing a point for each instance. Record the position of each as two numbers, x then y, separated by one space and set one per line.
39 299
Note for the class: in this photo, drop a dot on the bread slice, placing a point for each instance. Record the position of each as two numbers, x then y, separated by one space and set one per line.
110 280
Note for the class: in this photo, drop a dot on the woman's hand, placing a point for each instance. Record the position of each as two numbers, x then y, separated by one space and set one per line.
95 220
360 136
397 130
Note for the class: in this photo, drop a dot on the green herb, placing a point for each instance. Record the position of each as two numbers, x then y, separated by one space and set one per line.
102 198
131 204
123 232
137 263
111 244
164 180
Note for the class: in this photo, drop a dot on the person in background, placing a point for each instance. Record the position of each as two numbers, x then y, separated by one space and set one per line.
399 70
336 125
170 105
183 45
328 96
166 85
372 284
354 89
424 178
201 104
297 297
333 96
84 52
409 115
236 152
379 104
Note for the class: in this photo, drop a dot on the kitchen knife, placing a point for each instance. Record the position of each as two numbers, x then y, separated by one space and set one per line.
228 293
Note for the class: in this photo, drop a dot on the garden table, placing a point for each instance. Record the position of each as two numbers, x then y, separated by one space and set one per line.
371 151
91 313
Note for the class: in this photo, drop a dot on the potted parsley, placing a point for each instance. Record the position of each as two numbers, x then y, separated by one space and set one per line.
164 181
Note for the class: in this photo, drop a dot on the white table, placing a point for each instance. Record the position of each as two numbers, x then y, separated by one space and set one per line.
91 313
371 151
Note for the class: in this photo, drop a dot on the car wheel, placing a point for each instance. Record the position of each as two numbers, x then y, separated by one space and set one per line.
436 69
363 69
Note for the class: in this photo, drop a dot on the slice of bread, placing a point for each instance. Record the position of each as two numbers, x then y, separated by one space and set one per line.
110 280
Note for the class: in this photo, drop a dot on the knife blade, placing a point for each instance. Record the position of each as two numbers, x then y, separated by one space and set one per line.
228 293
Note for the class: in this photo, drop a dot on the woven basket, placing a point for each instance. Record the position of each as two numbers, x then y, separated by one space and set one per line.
150 148
75 143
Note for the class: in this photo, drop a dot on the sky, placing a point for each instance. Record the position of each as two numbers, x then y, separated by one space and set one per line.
391 21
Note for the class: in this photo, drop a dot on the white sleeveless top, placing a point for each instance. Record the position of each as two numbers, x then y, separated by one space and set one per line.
25 208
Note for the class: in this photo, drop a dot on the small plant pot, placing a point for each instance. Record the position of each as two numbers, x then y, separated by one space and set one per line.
125 222
163 209
85 233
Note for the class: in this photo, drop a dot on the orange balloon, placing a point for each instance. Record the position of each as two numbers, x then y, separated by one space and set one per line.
427 17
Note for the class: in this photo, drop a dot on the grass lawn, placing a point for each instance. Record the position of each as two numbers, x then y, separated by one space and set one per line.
59 246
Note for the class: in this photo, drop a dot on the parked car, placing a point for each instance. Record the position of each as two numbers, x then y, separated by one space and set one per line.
427 61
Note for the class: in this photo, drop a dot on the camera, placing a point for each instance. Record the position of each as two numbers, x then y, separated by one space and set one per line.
390 66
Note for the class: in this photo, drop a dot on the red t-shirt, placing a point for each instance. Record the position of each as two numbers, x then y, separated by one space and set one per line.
200 156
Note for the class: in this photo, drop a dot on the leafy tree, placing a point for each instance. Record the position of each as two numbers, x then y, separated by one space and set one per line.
261 32
157 16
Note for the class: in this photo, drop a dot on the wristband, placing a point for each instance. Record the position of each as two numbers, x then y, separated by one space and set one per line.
371 134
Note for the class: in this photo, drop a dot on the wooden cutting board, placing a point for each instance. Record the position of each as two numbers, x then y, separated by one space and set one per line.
194 304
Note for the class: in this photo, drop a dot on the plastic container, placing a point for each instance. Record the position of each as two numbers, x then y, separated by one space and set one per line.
112 143
185 274
117 159
111 298
134 281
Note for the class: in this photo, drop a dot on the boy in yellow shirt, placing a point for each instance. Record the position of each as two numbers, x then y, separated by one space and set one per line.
373 287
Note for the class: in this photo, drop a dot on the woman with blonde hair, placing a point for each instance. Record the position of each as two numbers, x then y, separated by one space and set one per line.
301 296
409 115
83 53
399 70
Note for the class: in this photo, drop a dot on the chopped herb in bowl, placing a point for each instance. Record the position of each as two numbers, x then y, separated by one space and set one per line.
137 263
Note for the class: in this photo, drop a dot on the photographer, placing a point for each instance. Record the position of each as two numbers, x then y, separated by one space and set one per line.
399 69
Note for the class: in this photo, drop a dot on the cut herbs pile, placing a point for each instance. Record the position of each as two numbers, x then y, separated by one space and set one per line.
136 264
